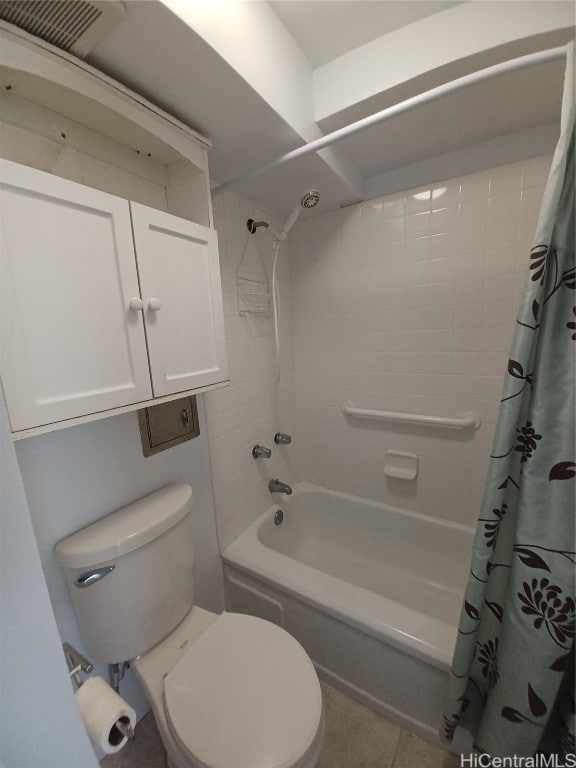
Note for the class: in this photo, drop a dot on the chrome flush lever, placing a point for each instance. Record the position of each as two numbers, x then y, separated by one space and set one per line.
91 577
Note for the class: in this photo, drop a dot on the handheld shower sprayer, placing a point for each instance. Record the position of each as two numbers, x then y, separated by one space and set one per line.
309 199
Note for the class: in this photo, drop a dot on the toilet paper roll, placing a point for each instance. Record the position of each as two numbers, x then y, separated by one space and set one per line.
101 708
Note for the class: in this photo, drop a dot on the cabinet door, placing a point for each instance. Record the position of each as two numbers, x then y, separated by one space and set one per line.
180 281
70 344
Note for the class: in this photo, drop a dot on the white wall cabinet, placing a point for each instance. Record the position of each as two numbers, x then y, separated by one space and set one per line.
103 303
180 282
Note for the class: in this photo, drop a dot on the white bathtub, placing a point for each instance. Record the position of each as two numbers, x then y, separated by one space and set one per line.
372 592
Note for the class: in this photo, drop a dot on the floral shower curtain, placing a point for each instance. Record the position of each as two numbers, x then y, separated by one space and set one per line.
512 678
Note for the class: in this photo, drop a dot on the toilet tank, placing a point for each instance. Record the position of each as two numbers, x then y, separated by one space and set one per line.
130 574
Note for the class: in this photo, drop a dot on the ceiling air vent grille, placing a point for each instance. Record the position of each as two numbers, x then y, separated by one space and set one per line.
73 25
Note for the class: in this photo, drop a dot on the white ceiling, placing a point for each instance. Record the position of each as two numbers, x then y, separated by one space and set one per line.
325 29
260 79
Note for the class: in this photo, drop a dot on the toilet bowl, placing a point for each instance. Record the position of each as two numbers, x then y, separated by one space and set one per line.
227 690
233 691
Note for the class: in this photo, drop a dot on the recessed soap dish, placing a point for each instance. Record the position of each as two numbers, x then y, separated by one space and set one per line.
403 466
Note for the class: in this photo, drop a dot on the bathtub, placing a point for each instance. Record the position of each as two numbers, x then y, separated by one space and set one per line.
371 591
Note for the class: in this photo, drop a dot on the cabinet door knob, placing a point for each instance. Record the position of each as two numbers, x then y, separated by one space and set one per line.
154 304
136 304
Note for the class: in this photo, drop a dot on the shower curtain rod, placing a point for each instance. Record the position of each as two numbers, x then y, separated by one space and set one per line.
540 57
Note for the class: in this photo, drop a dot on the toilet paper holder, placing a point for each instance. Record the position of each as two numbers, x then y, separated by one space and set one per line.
125 729
76 663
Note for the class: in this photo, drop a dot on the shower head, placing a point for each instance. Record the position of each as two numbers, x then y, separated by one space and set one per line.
309 200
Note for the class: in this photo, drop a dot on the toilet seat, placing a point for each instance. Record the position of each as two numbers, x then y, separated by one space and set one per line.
244 695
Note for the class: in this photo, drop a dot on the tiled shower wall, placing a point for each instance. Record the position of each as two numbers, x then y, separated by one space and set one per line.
252 409
407 303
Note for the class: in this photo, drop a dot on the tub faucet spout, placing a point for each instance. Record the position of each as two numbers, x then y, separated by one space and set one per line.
275 486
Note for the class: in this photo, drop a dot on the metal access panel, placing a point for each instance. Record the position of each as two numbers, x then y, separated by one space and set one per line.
168 424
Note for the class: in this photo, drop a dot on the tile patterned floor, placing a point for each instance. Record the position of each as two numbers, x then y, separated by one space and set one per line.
355 737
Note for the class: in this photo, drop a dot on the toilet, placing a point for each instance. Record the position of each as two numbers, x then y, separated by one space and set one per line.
228 690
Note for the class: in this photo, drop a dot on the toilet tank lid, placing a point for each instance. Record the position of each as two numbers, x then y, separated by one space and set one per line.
126 529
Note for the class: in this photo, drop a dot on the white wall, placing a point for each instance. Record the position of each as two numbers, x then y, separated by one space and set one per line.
503 150
77 475
39 724
407 303
252 409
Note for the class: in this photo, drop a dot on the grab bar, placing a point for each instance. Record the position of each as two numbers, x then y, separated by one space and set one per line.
467 421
